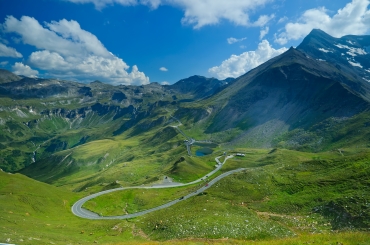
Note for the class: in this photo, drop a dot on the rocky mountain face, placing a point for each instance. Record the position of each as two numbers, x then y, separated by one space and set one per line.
349 53
295 90
7 76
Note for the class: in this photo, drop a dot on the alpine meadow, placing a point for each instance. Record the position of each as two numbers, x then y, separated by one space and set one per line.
272 151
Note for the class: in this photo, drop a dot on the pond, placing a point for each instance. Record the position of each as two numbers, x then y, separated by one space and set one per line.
203 152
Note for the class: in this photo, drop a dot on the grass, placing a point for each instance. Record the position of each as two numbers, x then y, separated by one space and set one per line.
332 133
207 217
347 238
135 200
36 213
131 161
284 193
334 190
192 168
274 202
285 197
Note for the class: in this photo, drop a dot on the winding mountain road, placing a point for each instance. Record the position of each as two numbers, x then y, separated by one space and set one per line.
79 211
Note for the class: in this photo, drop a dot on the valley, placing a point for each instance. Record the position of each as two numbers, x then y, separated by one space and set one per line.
159 164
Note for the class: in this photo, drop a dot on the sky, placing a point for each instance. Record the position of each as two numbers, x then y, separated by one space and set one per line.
135 42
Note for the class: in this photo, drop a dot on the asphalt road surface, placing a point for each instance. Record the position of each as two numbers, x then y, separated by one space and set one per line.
83 213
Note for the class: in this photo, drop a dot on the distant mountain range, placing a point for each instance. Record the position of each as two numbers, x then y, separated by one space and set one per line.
291 101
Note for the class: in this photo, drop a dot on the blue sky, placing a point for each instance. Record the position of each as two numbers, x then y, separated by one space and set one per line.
143 41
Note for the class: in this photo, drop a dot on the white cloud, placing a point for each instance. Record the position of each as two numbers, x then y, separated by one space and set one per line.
6 51
238 65
163 69
4 63
282 19
21 69
264 32
354 19
232 40
67 51
263 20
99 4
200 13
165 83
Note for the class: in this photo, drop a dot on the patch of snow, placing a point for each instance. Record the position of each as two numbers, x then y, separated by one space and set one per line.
367 80
321 60
368 70
341 46
355 64
325 50
350 42
352 51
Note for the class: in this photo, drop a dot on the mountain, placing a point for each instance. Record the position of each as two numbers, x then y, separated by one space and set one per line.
199 87
7 76
39 117
349 53
289 92
276 104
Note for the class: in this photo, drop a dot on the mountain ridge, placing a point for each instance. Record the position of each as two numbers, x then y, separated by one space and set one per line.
293 91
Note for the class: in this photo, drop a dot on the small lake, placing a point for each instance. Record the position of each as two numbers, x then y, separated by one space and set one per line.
203 152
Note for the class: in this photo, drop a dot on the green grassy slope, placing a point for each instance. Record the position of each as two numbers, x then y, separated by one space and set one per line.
284 193
127 159
36 213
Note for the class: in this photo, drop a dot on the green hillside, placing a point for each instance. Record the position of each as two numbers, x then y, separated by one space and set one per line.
286 194
37 213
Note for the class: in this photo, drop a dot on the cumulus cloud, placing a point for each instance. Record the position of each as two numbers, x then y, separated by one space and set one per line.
200 13
6 51
354 19
163 69
21 69
232 40
264 32
165 83
238 65
65 50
